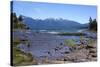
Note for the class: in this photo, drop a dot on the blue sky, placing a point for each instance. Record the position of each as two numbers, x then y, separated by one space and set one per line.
79 13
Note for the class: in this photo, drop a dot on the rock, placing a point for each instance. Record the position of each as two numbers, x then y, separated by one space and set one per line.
94 59
94 55
65 59
92 51
89 46
56 49
60 59
23 40
34 62
71 49
56 62
81 60
66 52
45 61
61 43
77 55
79 47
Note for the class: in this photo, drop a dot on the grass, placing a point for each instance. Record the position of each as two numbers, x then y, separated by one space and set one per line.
69 42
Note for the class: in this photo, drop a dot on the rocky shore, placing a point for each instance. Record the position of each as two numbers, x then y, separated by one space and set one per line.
81 53
49 49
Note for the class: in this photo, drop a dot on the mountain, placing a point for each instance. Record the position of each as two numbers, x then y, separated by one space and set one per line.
52 24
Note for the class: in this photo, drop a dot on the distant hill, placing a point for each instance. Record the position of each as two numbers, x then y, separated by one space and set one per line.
50 23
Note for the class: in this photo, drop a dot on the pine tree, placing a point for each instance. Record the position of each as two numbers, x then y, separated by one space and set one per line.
92 24
20 18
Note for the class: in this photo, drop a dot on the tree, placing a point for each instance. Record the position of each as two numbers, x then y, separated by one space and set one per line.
90 19
20 18
92 24
14 18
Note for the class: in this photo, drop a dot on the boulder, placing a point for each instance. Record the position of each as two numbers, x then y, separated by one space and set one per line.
92 51
89 46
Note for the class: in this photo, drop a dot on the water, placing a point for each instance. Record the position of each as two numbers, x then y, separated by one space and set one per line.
43 44
57 30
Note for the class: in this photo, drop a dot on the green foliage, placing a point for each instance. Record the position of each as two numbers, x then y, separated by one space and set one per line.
69 42
81 38
21 58
15 42
90 20
92 24
17 22
20 18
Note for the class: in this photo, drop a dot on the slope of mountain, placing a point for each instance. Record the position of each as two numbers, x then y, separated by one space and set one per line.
52 24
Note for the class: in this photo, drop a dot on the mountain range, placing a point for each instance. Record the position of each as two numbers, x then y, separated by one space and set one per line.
52 24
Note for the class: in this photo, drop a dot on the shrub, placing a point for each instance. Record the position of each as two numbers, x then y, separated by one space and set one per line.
69 42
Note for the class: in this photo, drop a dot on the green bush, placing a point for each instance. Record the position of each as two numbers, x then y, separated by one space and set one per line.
17 22
81 38
69 42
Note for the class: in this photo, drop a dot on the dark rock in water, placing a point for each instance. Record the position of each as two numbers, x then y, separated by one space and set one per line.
48 52
28 45
56 49
61 43
66 52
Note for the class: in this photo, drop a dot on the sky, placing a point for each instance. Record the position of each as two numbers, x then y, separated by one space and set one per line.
39 10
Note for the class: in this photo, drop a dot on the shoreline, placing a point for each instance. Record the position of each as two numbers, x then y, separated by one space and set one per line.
76 56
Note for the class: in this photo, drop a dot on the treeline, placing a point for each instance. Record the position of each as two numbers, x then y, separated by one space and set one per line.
92 24
17 22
